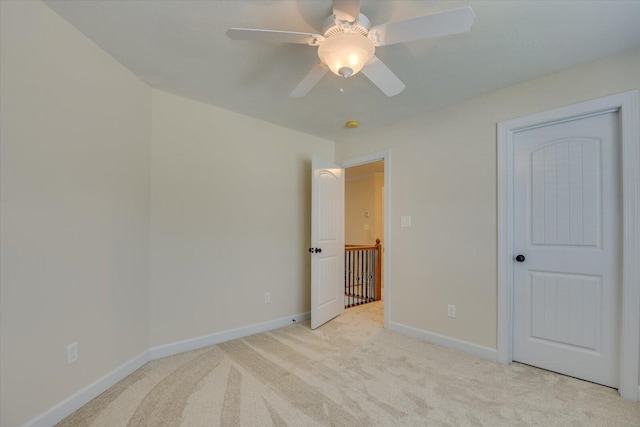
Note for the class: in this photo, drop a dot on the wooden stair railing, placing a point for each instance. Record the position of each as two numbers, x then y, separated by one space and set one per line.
363 274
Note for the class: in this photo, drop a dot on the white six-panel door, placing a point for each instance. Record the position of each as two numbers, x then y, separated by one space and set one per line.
567 227
327 241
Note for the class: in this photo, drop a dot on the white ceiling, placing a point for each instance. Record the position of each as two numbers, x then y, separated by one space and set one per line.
181 47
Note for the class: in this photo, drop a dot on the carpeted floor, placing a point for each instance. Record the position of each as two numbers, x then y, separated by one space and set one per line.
349 372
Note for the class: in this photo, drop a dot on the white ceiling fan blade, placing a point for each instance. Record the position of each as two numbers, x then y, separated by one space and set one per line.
310 81
346 10
274 36
383 77
439 24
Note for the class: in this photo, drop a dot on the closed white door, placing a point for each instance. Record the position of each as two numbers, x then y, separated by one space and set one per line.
327 241
567 229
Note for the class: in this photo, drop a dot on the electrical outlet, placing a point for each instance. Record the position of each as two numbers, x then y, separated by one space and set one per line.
267 297
451 310
72 353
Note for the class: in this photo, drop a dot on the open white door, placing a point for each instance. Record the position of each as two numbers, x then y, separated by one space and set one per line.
327 241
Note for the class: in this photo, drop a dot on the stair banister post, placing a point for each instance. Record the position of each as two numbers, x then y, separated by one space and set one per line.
378 270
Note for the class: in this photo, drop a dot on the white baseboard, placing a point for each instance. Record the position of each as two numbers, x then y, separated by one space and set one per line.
465 346
218 337
65 408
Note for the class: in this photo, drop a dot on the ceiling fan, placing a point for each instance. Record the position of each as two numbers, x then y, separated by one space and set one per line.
348 42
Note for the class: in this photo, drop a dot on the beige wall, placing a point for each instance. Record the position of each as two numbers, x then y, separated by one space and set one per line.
359 195
230 209
378 207
444 175
75 141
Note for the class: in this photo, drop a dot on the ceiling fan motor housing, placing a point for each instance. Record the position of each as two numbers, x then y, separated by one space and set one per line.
333 26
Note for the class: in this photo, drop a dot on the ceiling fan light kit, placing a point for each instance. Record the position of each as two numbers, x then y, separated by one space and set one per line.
346 53
348 44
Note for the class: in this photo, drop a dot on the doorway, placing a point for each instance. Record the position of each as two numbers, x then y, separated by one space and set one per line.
367 207
545 325
364 233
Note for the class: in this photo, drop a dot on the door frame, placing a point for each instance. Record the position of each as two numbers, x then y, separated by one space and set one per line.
384 155
626 104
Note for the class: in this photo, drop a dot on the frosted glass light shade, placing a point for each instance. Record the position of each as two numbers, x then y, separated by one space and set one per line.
346 50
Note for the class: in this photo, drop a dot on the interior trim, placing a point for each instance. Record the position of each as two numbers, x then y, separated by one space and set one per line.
68 406
445 341
627 106
223 336
57 413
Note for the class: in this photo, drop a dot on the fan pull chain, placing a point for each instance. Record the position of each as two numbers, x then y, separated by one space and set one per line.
342 82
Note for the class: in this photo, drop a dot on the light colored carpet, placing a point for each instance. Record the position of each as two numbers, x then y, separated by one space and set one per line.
349 372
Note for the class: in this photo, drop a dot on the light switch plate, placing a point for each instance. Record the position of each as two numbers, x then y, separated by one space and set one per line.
366 226
451 310
72 353
405 221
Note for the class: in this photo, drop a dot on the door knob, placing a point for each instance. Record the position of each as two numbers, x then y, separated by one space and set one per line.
315 250
520 258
